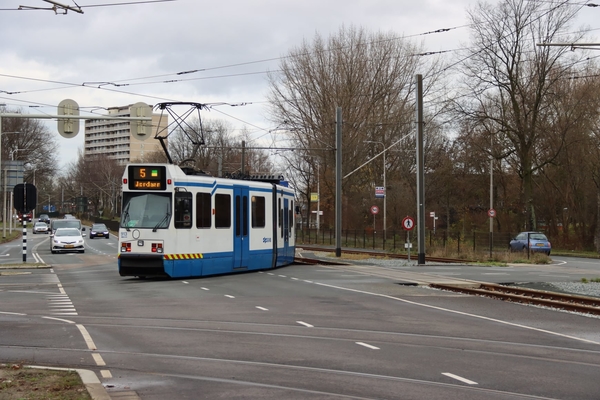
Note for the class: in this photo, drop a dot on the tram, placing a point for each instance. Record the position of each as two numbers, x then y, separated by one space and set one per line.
176 222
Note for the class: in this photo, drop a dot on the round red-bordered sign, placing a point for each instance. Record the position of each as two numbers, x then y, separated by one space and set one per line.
491 213
408 223
374 210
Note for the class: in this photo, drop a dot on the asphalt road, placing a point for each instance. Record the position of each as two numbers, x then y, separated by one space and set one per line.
299 332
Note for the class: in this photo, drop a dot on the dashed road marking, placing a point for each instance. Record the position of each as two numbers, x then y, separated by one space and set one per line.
459 378
367 345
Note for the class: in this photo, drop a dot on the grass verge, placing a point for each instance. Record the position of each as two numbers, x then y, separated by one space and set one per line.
18 382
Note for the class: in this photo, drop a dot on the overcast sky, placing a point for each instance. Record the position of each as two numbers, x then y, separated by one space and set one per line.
46 58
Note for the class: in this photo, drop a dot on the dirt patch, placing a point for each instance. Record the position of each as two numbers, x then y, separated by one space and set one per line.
19 382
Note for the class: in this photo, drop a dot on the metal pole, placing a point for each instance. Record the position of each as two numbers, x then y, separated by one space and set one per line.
338 182
420 171
491 195
318 199
384 200
24 219
4 206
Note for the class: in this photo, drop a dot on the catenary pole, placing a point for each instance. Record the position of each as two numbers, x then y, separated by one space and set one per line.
338 182
420 172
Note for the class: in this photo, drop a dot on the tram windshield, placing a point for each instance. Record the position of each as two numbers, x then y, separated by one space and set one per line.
146 210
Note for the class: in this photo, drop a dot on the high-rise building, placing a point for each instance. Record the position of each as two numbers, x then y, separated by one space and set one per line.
114 139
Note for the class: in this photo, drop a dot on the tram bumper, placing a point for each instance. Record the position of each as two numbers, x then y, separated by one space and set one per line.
141 265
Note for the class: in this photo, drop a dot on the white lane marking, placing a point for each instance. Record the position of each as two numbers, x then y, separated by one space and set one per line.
230 296
308 281
262 308
86 336
282 276
203 288
295 279
459 378
367 345
460 313
11 313
99 360
305 324
60 319
270 273
105 373
64 313
187 283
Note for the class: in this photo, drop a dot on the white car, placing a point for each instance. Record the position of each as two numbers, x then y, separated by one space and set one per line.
67 239
40 227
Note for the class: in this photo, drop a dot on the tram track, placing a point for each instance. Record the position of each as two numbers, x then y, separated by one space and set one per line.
561 301
543 298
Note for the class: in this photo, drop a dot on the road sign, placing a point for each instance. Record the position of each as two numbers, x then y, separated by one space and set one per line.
140 129
68 127
491 213
379 192
408 223
374 210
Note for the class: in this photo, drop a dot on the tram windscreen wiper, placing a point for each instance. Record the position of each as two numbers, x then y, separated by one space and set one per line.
125 219
162 221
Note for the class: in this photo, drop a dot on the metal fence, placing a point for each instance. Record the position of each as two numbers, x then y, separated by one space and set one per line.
395 241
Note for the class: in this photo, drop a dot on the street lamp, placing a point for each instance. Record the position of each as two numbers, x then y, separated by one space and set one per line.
384 187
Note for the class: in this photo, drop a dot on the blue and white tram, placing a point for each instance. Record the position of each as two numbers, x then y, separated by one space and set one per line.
178 224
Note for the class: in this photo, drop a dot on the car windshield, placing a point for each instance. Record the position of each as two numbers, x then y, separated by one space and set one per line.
67 232
40 224
99 227
537 236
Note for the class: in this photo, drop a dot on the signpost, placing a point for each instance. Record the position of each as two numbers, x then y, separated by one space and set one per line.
25 200
374 211
408 224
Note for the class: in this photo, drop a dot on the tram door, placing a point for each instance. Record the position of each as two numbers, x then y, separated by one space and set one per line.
241 242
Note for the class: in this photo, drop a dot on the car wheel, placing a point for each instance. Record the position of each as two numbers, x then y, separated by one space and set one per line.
82 251
53 252
107 236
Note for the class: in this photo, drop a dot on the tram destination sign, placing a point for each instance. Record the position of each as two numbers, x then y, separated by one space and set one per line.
147 177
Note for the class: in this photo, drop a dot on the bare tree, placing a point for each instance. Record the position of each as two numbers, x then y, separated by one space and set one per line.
512 82
371 77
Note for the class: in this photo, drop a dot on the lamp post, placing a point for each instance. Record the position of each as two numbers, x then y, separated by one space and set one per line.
384 188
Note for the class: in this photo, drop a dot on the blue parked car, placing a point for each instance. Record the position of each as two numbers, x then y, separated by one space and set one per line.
535 241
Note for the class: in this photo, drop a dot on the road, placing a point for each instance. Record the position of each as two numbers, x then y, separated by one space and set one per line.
299 332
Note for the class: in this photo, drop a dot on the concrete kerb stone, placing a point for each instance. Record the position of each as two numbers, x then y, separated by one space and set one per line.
25 266
89 379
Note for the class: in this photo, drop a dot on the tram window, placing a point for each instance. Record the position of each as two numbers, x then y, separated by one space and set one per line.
237 215
279 211
291 214
245 215
183 210
222 211
258 212
203 210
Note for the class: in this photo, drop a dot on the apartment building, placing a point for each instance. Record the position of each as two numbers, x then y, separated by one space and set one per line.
114 137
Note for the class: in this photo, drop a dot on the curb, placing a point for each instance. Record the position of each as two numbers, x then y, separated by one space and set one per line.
89 379
24 266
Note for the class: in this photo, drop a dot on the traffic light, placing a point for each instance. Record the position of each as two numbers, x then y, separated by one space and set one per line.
25 197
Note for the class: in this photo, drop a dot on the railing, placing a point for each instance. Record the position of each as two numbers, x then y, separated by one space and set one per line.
451 241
